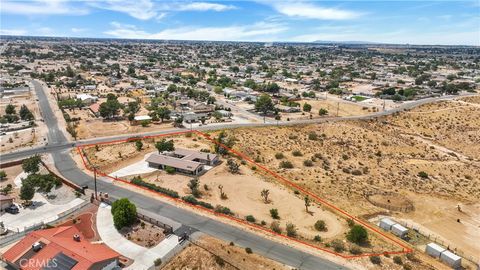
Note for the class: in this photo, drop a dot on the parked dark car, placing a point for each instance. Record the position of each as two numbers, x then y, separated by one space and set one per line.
12 209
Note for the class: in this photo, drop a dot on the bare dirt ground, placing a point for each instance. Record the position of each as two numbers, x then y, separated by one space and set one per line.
242 190
144 234
27 137
358 158
212 254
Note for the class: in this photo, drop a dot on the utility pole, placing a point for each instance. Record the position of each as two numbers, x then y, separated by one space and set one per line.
95 181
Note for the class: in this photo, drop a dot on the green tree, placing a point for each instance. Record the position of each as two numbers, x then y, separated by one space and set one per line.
31 164
110 108
307 107
124 213
320 225
322 112
3 174
25 113
27 191
163 113
165 145
10 109
138 145
357 234
264 104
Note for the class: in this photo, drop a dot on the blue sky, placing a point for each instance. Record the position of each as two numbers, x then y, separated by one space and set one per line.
413 22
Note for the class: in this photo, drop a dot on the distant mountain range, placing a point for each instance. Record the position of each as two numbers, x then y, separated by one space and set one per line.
345 42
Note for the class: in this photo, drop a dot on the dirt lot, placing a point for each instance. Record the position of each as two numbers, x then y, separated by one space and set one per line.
358 158
24 138
212 254
242 191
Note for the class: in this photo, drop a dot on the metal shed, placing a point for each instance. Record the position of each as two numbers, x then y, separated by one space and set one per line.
434 250
386 224
451 259
399 230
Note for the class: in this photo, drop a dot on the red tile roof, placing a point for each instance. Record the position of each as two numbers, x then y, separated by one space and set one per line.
58 240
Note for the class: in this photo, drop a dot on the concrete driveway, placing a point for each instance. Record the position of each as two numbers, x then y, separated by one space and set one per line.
43 211
143 258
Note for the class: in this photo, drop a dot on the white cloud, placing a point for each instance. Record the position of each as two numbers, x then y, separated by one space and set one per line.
140 9
41 7
310 11
13 32
261 31
204 6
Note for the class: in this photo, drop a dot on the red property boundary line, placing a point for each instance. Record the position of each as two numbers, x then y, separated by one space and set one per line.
406 249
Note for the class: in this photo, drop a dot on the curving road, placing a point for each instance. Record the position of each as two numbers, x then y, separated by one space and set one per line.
59 148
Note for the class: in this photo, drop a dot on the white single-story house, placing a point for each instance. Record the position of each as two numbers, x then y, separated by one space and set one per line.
183 161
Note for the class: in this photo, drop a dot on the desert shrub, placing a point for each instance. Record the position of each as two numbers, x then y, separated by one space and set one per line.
312 136
297 153
345 157
291 230
194 201
397 260
139 182
279 155
337 245
355 250
248 250
219 261
223 210
411 257
157 262
317 238
275 226
274 213
423 174
286 164
320 225
356 172
350 222
375 260
250 218
292 137
307 163
407 267
169 170
357 234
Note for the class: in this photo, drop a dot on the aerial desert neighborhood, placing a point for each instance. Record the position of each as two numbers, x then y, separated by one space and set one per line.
231 135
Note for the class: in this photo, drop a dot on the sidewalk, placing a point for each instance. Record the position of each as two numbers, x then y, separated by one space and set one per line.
143 257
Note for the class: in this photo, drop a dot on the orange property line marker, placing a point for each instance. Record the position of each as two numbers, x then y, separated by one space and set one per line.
406 249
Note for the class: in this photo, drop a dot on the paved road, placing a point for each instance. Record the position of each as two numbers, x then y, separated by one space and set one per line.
68 168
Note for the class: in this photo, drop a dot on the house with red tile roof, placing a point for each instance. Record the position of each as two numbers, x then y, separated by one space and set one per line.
60 248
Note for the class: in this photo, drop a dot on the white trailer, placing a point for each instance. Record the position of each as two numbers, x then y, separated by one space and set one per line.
399 230
452 259
434 250
386 224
